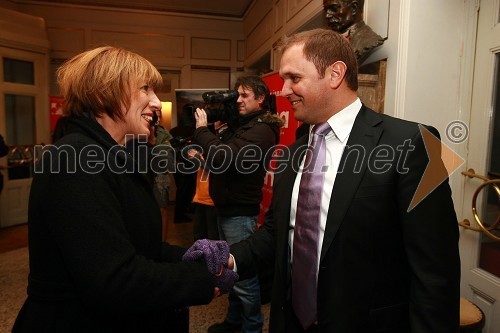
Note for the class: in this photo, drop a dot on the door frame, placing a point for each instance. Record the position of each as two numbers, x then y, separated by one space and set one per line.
14 198
477 88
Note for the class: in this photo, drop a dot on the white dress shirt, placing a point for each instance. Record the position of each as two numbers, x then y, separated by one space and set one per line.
341 124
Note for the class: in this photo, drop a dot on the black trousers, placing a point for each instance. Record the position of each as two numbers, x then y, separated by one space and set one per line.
205 222
186 187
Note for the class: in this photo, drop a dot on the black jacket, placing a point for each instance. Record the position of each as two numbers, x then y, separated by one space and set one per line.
238 160
97 262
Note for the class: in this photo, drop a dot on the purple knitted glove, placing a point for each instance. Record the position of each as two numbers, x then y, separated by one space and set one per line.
215 253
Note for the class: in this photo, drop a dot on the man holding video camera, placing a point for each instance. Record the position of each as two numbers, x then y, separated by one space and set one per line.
237 160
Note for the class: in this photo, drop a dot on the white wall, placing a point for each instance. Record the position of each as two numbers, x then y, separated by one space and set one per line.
428 56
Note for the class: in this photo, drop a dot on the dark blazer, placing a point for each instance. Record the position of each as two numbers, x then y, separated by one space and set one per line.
382 268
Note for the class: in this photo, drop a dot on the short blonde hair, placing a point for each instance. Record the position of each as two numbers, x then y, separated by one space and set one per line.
99 80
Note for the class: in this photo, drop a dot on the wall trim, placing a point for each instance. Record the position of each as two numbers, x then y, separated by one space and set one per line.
471 13
130 10
42 48
402 59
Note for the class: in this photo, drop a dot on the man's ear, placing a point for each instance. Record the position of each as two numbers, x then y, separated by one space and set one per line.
355 8
337 74
260 100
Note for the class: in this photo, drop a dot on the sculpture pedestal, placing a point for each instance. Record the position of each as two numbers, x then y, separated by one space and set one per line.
371 85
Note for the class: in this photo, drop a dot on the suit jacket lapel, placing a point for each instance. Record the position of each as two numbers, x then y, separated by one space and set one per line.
282 192
363 139
296 151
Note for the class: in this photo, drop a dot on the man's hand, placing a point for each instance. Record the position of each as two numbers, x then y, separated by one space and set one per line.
201 118
230 262
192 153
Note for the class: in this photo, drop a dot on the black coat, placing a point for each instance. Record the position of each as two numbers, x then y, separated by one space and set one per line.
97 262
238 160
382 268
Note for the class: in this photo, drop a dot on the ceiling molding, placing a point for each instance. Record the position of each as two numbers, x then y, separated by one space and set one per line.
227 9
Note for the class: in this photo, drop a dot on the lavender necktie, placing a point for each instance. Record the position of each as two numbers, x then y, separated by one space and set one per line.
306 233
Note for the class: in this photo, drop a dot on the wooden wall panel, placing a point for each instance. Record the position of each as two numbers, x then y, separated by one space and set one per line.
240 50
294 7
210 48
288 16
262 33
147 44
278 15
209 79
22 31
69 41
255 14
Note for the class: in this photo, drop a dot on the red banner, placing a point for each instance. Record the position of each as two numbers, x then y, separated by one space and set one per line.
287 135
56 111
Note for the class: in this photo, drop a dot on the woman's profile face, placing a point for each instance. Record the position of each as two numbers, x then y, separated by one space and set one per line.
143 105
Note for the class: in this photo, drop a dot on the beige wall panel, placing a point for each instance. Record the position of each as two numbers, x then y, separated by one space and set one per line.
66 40
210 48
279 16
241 50
21 31
294 7
163 38
22 24
294 14
260 35
149 45
153 21
255 15
209 79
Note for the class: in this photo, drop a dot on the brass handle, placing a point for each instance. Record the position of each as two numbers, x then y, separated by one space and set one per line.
482 228
19 156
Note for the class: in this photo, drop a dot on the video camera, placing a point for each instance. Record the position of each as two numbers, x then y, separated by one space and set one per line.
180 142
219 106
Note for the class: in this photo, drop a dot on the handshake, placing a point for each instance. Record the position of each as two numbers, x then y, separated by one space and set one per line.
216 255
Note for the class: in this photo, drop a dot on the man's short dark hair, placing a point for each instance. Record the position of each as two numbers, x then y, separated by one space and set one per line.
323 47
257 85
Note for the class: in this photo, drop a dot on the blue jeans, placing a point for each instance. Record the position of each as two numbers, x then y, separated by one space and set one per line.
244 298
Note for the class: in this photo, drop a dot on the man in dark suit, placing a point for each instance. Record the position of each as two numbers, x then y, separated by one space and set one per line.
385 262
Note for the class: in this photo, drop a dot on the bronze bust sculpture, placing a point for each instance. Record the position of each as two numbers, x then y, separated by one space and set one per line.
346 18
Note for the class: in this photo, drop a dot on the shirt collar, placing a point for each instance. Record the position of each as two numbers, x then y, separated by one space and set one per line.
342 121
